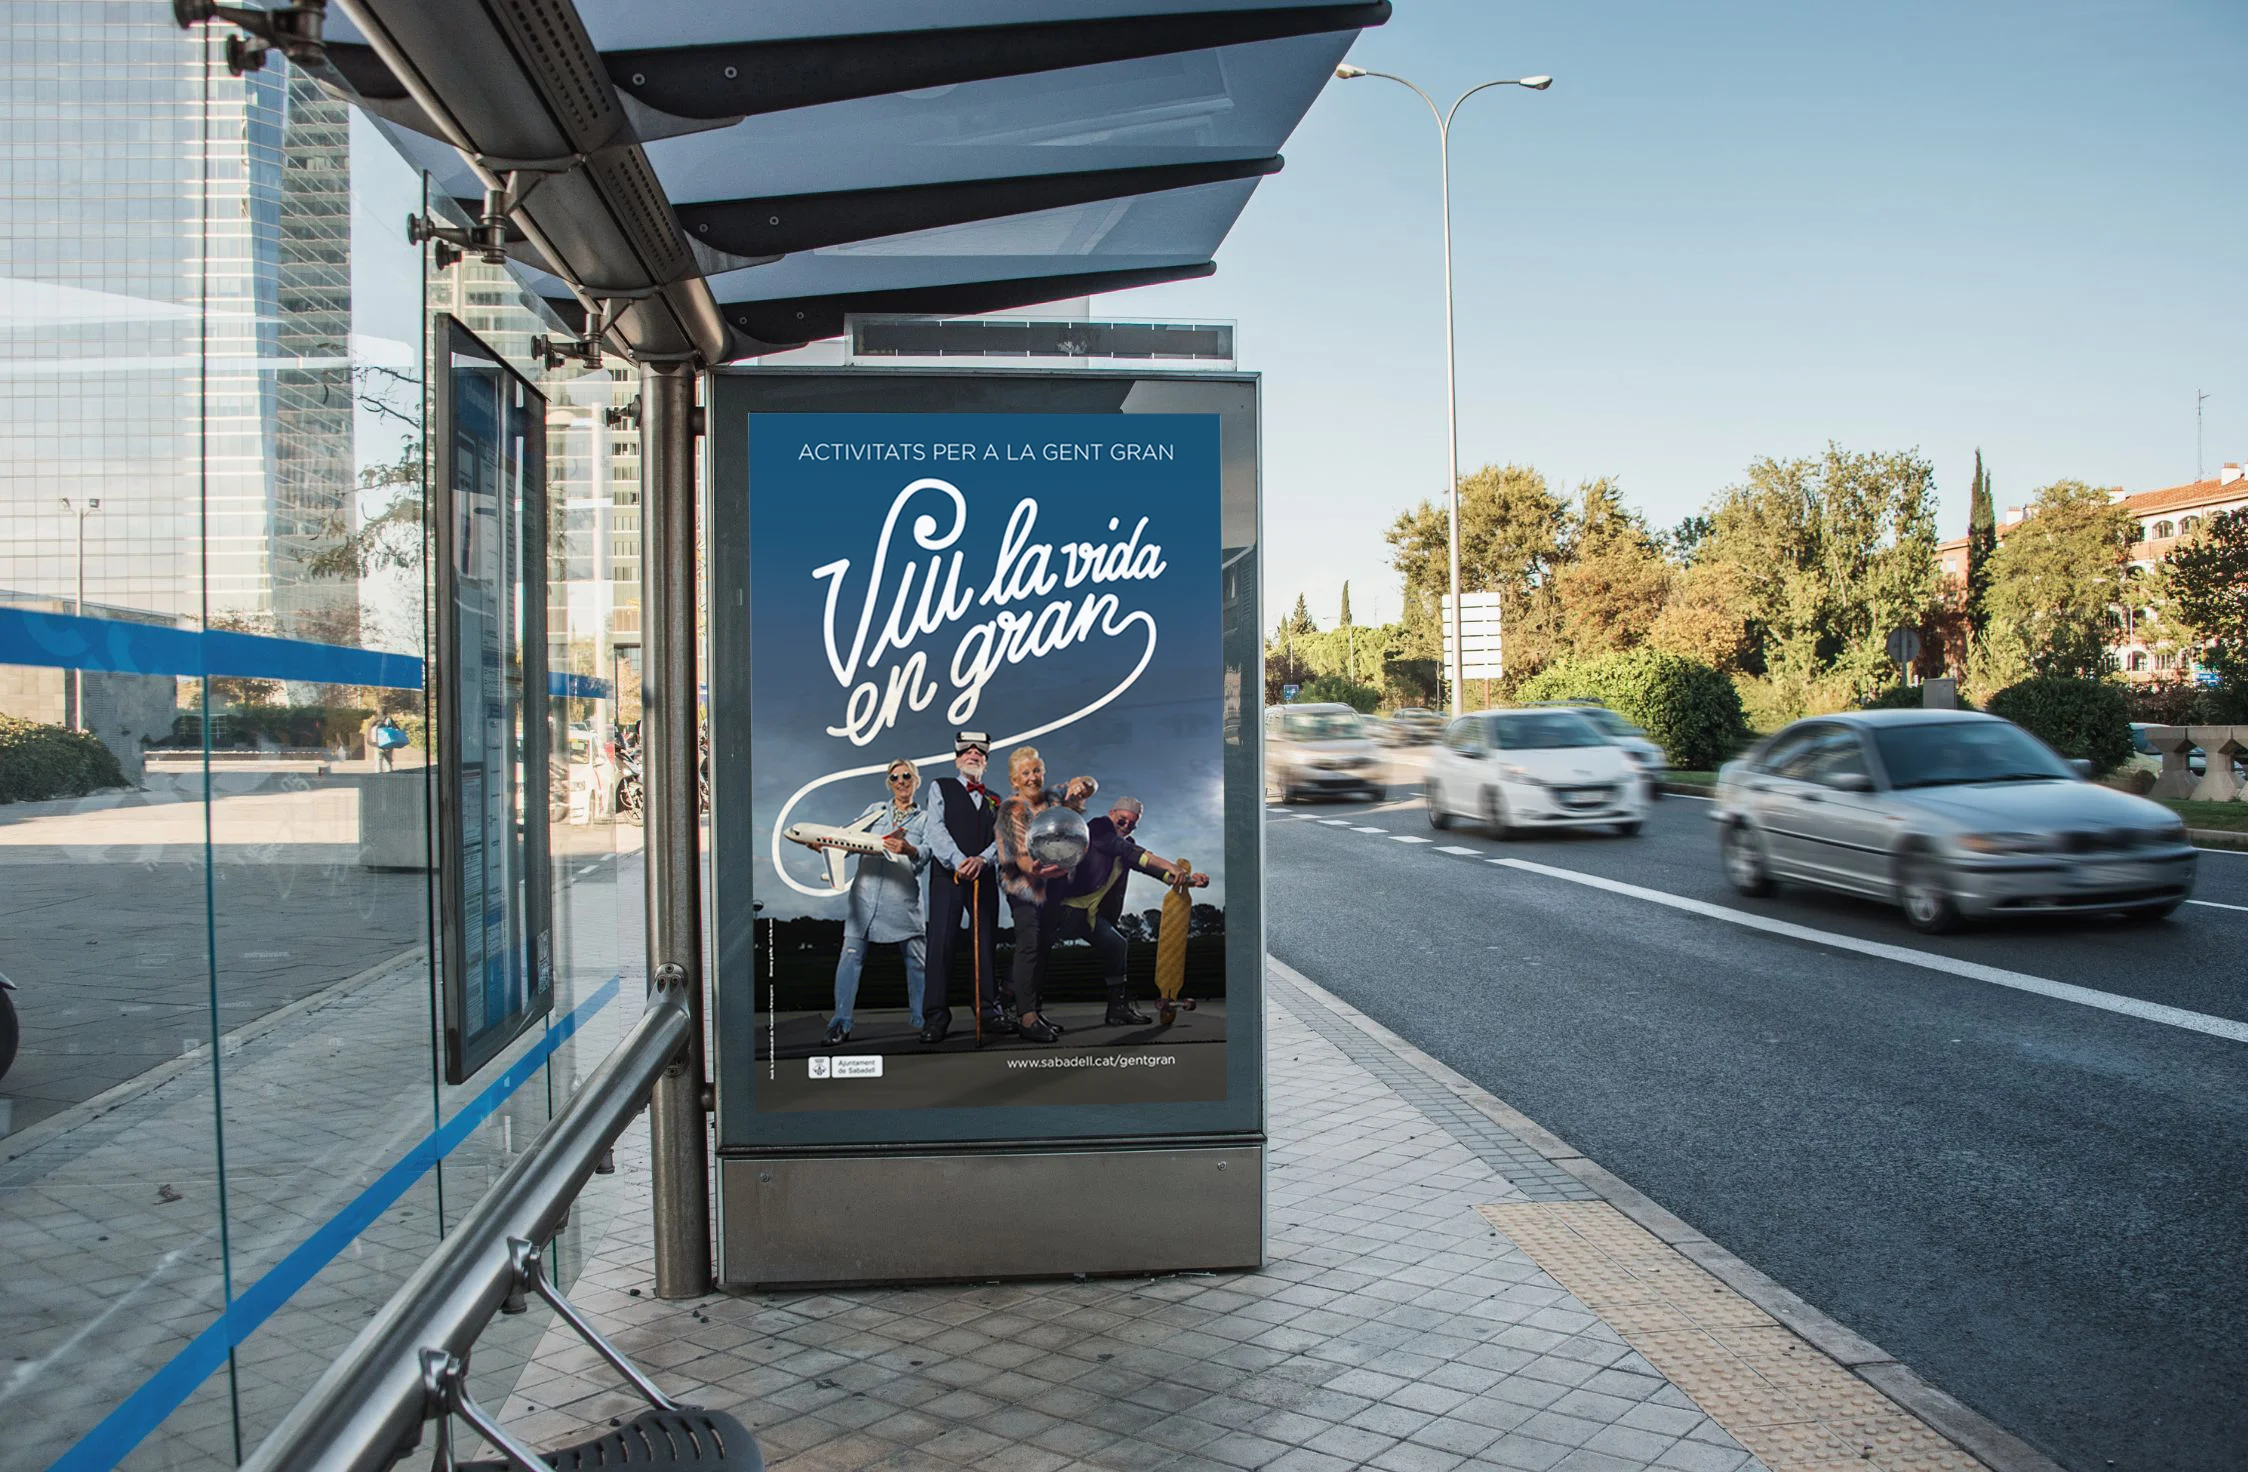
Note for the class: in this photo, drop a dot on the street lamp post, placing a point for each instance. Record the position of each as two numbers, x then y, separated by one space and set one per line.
1347 72
78 607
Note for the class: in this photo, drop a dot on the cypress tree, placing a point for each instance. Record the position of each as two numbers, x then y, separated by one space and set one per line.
1346 603
1982 540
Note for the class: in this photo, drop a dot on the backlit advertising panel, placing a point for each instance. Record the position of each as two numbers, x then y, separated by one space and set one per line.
976 715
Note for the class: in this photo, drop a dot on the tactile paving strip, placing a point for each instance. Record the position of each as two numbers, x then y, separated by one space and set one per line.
1791 1405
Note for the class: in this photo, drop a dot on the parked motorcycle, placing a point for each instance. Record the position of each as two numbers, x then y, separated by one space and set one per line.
630 800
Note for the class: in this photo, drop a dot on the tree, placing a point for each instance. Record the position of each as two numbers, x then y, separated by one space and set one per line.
2207 585
2053 588
1300 622
1684 541
1826 555
1704 619
1512 528
392 538
1982 540
1343 620
1613 581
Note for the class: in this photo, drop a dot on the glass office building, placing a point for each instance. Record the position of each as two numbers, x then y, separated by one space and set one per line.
225 1135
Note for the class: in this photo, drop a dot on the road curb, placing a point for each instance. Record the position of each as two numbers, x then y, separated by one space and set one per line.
1687 789
1996 1447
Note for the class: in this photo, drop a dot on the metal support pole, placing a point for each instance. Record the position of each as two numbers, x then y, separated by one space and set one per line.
670 754
1451 421
78 607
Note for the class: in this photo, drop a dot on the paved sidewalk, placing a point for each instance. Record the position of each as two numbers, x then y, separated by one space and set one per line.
1395 1326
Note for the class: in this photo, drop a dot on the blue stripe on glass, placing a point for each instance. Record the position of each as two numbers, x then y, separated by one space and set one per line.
577 687
119 646
165 1391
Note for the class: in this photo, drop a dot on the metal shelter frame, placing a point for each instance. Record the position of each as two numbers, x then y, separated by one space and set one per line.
545 139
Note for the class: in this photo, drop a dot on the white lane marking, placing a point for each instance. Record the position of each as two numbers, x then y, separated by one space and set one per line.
1472 853
1334 822
1692 796
1398 837
2235 852
1369 830
2218 905
2201 1022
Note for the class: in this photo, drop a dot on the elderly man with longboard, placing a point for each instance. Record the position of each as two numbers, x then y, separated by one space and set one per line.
1087 905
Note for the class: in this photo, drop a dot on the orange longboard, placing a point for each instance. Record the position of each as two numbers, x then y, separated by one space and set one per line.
1170 953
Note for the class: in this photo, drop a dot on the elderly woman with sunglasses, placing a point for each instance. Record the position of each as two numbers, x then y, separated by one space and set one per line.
885 906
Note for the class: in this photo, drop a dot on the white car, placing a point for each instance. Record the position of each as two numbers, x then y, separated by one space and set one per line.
1514 770
1323 749
1650 758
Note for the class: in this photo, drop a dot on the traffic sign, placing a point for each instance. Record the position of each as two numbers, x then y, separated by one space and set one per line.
1289 692
1904 646
1481 654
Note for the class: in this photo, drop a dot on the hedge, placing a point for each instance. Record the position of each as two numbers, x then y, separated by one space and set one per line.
1341 690
39 761
1689 709
300 726
2089 719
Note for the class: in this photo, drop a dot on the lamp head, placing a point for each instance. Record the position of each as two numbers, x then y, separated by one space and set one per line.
1346 71
1536 84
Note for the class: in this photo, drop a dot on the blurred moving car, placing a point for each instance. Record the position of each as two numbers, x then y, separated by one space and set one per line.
1319 749
1648 756
1513 770
1948 814
1415 724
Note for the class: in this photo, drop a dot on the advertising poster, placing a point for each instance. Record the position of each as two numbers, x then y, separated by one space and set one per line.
496 944
986 756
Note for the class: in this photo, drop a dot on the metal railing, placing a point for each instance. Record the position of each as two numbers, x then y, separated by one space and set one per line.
406 1368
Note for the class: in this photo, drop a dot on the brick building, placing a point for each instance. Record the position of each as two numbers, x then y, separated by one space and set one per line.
2160 519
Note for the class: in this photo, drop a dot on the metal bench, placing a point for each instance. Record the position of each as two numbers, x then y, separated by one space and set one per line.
666 1435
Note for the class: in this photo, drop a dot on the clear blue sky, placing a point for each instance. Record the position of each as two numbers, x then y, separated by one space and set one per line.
1739 229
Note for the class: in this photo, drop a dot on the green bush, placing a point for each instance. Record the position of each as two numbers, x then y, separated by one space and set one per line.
1340 689
1896 697
1689 709
39 762
2079 718
2168 703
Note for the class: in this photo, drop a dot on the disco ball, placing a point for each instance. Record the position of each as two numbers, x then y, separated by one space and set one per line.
1059 836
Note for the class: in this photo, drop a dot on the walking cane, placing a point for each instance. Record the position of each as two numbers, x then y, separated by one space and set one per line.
975 947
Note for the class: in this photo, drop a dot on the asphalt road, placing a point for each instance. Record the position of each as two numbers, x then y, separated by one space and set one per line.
2037 1204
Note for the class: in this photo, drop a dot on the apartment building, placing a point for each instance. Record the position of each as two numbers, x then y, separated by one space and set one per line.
2160 520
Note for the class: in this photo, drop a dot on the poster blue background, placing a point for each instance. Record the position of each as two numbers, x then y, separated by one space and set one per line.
1158 741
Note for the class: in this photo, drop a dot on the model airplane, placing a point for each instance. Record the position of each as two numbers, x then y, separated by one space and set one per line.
835 840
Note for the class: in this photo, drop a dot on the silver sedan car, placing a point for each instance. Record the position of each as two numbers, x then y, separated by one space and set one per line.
1947 814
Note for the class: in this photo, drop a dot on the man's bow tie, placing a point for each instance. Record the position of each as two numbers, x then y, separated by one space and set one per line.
975 787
